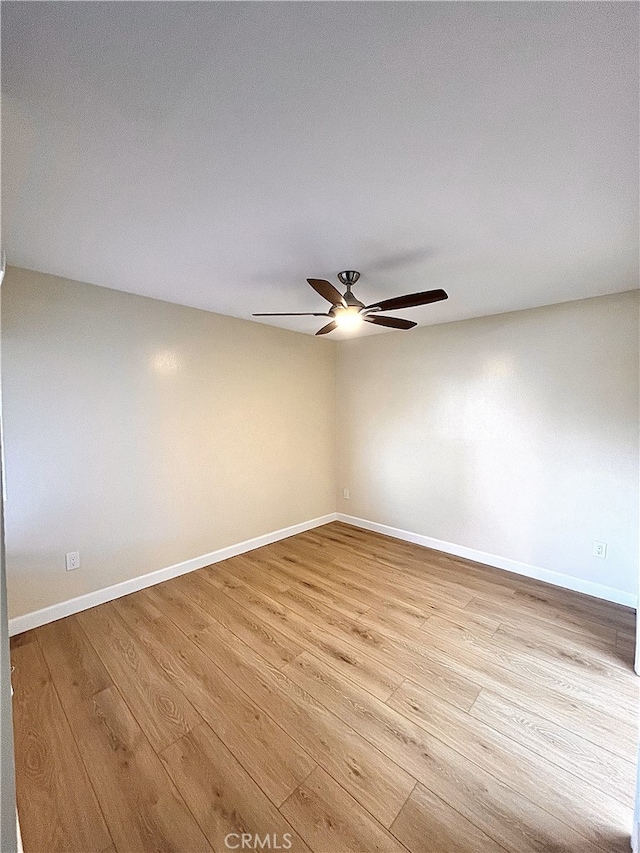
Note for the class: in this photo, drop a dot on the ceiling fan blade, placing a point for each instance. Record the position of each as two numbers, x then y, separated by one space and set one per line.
392 322
328 328
410 300
294 314
327 290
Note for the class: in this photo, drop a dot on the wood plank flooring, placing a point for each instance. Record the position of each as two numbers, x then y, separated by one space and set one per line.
336 692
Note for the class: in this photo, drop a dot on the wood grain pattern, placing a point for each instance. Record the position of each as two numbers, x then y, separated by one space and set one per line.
402 649
517 610
371 674
430 755
355 691
261 745
560 793
166 712
579 701
375 781
204 604
221 795
427 823
626 648
78 671
23 639
552 599
302 572
53 789
582 757
331 820
143 809
250 566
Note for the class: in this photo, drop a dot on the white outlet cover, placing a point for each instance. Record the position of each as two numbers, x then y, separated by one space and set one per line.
600 550
72 560
345 494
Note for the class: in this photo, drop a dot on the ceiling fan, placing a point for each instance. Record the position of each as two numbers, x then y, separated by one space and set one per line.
347 312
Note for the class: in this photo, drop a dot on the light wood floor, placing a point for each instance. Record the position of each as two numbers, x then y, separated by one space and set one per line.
356 692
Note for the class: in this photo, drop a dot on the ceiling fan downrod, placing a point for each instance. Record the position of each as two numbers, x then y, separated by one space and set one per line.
349 278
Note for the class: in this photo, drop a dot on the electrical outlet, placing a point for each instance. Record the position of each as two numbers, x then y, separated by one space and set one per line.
600 550
72 560
345 494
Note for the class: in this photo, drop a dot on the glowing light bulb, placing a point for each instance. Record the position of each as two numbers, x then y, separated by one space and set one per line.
349 319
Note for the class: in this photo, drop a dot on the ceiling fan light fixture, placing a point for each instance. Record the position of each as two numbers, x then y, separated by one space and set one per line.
349 318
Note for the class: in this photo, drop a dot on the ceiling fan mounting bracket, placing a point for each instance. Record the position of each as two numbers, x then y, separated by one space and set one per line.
349 277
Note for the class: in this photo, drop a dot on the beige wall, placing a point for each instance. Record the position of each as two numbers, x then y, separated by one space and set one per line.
143 434
515 435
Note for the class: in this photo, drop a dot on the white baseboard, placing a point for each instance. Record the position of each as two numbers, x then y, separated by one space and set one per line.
596 590
82 602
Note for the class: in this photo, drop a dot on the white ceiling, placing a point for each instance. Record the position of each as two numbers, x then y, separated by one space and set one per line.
218 154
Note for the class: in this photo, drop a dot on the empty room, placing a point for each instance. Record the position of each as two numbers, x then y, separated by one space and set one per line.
320 427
